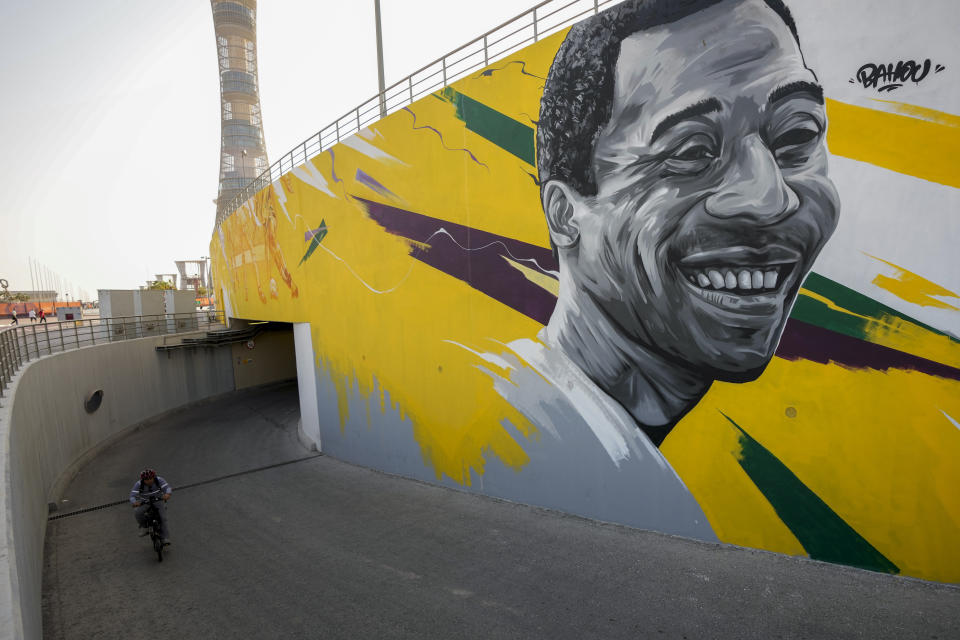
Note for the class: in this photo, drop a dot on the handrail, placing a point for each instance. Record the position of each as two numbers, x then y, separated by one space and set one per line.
23 343
540 23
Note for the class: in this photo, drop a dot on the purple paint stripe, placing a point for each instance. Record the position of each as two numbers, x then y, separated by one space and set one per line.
366 179
486 270
418 227
810 342
333 166
473 256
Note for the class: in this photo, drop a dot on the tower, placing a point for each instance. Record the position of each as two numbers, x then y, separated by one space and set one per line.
243 154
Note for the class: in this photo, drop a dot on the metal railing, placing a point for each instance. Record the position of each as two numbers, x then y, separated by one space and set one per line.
21 344
530 26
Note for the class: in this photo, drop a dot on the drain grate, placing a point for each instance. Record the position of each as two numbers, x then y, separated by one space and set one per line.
87 510
188 486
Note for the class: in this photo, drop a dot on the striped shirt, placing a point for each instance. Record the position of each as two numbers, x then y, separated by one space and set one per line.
156 490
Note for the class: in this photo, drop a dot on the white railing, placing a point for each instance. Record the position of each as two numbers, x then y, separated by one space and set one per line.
530 26
26 342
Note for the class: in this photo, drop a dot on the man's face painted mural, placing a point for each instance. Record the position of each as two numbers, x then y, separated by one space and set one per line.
712 197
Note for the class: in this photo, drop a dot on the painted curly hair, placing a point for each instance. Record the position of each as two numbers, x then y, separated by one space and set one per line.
578 96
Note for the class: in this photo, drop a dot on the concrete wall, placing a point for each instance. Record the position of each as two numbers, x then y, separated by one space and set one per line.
116 303
627 281
148 302
177 301
309 430
268 357
45 429
69 313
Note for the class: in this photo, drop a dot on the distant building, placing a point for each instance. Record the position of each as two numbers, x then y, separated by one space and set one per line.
37 296
194 274
167 277
243 154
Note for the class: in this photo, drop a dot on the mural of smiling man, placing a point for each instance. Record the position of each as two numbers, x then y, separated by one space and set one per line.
709 349
683 171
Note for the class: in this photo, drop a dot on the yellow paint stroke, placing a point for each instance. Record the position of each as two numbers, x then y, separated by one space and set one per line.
873 445
931 115
833 306
913 288
902 335
543 281
907 145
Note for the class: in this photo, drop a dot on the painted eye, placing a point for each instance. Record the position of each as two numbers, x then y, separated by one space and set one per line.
796 141
796 137
693 156
695 152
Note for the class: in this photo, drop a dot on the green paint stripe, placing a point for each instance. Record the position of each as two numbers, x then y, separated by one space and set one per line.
510 135
815 312
315 242
823 534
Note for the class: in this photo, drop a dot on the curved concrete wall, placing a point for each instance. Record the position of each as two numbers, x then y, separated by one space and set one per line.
46 430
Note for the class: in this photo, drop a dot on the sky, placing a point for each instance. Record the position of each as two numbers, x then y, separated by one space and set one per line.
109 116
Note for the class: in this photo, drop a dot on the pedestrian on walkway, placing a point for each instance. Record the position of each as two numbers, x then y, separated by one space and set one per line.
13 315
43 316
33 315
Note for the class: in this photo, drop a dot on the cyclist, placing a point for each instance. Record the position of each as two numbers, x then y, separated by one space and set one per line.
151 488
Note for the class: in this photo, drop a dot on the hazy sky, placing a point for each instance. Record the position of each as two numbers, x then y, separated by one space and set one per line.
109 116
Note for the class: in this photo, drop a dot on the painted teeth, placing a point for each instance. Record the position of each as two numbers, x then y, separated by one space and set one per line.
741 279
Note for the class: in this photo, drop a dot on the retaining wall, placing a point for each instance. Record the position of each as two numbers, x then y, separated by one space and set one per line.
45 430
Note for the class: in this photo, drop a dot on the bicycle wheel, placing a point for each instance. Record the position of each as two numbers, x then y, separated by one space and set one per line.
157 539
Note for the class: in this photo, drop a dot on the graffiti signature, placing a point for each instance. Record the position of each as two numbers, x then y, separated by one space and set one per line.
890 76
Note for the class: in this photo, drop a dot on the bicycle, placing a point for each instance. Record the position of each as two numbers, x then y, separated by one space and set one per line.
153 528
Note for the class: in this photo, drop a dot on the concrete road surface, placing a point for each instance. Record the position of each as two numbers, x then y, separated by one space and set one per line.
318 548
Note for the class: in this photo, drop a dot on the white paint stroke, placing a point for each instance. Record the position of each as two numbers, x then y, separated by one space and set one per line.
947 416
489 357
312 176
361 280
614 429
281 198
360 145
442 231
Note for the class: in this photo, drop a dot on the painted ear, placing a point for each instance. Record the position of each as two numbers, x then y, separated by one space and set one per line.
559 205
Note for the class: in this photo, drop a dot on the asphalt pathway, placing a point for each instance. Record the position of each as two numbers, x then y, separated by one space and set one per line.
272 541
